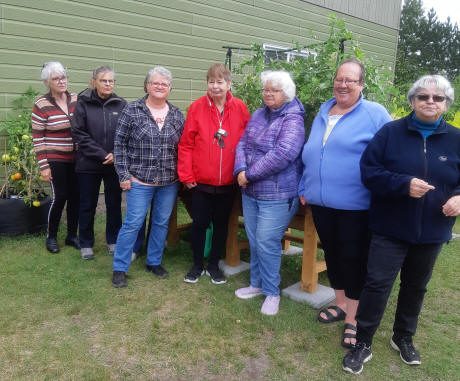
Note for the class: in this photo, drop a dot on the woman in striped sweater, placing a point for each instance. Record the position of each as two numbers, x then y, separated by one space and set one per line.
55 152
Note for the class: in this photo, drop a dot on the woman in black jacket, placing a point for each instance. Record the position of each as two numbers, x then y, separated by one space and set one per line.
93 130
412 168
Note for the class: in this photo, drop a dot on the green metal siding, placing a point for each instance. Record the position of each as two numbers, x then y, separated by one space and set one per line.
185 36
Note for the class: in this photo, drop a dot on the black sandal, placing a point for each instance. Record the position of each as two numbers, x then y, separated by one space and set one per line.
330 318
347 335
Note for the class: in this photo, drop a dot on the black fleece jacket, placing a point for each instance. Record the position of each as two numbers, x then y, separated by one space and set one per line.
395 155
93 129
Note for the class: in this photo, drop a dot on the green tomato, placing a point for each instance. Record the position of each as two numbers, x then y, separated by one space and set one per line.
25 137
15 149
6 158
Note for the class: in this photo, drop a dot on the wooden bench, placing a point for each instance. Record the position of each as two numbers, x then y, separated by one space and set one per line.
302 221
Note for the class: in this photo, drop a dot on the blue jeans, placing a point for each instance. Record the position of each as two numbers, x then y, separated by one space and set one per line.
265 222
138 201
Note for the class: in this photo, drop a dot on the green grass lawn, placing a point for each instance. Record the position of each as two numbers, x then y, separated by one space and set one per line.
60 319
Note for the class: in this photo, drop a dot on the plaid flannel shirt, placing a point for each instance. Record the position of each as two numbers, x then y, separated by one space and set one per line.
143 150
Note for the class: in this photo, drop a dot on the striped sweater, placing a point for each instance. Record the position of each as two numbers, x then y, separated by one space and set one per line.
51 130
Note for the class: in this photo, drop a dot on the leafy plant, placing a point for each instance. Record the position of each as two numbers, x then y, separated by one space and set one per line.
21 173
314 74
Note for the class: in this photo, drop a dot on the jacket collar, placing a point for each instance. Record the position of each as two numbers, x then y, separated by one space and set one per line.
442 128
228 99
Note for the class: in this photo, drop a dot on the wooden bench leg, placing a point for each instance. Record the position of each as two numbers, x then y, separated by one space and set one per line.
309 279
232 251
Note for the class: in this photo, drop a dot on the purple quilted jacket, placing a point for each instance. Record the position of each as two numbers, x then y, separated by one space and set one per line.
269 152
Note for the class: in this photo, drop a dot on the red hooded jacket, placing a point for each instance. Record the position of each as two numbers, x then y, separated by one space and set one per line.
200 158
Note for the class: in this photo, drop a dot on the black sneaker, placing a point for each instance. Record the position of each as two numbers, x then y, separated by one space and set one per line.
217 277
52 245
355 358
193 275
73 241
406 350
119 279
157 270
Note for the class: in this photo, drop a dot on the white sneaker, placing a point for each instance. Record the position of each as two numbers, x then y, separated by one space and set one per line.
248 292
271 305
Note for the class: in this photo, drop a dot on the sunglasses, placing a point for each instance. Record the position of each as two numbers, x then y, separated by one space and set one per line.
425 97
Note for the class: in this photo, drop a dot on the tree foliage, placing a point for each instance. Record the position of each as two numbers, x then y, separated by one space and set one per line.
314 74
425 45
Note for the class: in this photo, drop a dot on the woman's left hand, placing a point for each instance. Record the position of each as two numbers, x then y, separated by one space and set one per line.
452 207
108 159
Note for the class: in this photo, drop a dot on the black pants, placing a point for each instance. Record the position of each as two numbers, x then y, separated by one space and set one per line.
344 236
386 257
207 208
64 186
90 184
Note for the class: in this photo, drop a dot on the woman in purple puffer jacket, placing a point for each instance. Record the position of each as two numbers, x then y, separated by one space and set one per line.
268 168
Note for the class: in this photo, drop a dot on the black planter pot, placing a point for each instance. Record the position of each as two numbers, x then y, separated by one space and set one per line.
18 218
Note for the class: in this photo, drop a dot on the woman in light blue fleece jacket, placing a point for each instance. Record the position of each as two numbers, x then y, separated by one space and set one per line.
268 167
331 185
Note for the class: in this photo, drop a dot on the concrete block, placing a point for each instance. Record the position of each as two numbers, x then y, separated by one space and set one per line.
321 297
233 270
293 250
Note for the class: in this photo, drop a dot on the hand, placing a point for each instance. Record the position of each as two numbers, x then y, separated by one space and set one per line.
418 188
108 159
125 185
452 207
45 174
302 200
190 185
242 180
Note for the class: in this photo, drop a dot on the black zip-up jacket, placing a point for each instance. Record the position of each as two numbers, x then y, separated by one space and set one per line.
94 123
395 155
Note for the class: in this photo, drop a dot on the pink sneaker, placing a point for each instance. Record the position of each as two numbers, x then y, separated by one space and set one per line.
271 305
248 292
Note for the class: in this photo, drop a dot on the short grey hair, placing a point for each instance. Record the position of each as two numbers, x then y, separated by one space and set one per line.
158 70
436 80
101 70
282 79
50 68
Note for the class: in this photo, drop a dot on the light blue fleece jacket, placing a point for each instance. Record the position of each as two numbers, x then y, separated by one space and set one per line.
331 175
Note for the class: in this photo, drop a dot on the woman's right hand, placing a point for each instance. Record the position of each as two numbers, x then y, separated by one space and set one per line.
190 185
418 188
45 175
125 185
242 180
302 200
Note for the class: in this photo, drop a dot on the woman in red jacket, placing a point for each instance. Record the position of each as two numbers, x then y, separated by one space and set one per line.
213 127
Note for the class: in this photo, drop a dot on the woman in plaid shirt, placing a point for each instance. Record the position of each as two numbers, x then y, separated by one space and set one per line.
145 151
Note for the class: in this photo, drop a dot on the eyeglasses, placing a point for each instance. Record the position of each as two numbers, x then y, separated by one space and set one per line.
425 97
348 82
107 81
271 91
159 84
59 79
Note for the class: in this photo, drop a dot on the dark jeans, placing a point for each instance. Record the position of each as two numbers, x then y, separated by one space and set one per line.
207 208
344 236
64 186
387 256
90 184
